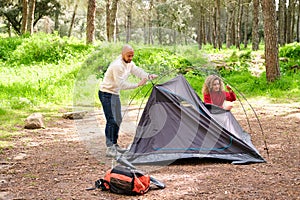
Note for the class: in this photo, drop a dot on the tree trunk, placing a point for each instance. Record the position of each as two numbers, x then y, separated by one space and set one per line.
215 36
229 25
24 16
255 36
293 3
298 23
203 26
271 43
116 31
90 25
160 39
145 32
288 23
232 37
31 16
56 21
210 29
246 22
199 34
111 13
200 27
218 23
150 39
239 19
73 19
281 24
128 20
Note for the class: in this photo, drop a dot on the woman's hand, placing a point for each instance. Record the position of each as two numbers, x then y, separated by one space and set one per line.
228 105
228 88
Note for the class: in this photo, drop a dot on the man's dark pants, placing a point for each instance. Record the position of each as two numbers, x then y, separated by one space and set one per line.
111 105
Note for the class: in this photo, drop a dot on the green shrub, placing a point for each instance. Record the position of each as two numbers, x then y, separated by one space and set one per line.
7 47
47 48
290 51
233 57
245 56
2 111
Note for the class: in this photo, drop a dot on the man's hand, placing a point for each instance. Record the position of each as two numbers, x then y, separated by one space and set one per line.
142 82
152 76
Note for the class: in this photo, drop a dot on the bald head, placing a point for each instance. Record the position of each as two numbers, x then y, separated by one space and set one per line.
126 48
127 53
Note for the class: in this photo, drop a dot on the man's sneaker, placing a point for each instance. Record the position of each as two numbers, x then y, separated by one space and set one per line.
111 151
119 149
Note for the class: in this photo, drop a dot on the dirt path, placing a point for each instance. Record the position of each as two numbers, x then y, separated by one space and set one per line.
58 163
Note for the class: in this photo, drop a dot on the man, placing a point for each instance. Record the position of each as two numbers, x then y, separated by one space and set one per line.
115 79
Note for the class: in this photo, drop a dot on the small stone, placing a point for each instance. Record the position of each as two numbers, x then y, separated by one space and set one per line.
34 121
74 115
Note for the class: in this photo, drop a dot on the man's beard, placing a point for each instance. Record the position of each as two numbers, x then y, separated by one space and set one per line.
126 61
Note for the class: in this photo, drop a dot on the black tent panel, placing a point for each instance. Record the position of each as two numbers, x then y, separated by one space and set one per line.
176 124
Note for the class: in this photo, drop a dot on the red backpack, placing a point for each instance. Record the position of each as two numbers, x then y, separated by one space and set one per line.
124 180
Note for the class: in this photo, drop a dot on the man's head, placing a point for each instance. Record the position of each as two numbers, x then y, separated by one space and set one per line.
127 53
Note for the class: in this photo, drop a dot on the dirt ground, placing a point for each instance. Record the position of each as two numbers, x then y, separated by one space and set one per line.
58 162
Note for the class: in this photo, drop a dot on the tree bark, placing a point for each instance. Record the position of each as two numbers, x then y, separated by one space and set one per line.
233 29
203 26
289 22
31 16
24 16
150 38
107 12
200 27
239 19
293 3
73 19
111 14
56 21
271 42
215 36
199 34
229 25
281 22
246 22
128 21
218 24
90 25
210 38
255 36
298 23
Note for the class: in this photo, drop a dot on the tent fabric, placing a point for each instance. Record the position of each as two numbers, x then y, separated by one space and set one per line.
176 124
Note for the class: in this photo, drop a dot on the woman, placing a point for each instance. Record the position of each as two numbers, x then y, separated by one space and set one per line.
214 93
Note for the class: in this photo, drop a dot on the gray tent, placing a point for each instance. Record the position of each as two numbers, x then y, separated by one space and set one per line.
176 124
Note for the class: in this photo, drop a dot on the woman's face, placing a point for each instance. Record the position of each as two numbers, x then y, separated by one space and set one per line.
216 86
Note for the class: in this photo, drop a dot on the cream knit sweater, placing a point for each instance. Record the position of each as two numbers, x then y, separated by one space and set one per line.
115 78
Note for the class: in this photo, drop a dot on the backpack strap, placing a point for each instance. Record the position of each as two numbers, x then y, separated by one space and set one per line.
157 183
101 183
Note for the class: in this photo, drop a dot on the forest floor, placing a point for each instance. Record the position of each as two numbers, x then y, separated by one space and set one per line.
65 158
